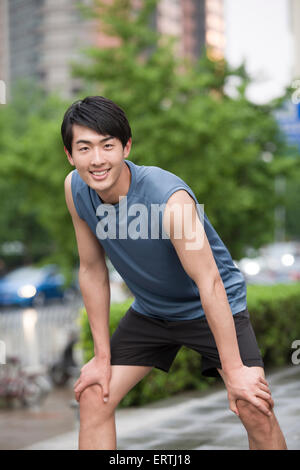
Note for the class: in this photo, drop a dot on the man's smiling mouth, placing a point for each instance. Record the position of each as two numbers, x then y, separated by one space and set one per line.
100 175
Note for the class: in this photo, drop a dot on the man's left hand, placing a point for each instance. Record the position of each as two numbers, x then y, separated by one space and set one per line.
247 383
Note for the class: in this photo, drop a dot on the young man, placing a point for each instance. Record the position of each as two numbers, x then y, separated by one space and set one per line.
187 290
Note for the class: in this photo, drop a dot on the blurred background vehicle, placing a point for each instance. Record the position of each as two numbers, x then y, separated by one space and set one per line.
275 263
34 286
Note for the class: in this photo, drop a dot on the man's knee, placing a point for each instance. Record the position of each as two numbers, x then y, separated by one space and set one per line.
91 402
253 418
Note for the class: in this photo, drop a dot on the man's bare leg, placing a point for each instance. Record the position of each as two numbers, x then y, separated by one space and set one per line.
97 419
264 432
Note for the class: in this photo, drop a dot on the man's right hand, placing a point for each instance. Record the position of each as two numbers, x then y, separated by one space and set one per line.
96 371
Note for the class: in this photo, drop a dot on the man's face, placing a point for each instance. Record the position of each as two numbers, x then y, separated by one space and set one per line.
97 158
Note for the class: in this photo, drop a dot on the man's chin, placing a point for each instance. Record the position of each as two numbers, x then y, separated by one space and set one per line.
98 186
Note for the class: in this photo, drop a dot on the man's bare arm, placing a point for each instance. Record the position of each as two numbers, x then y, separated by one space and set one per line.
200 265
94 286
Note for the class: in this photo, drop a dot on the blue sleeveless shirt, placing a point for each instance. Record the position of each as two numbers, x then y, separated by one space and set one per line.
132 236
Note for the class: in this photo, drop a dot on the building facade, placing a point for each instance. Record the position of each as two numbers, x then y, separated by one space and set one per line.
196 24
43 36
4 44
39 38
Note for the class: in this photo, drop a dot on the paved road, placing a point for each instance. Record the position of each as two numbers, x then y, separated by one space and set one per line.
188 421
195 421
21 427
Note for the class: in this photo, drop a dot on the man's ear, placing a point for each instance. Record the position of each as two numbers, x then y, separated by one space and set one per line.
127 147
69 156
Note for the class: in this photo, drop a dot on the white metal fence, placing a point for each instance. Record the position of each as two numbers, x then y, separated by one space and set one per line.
37 336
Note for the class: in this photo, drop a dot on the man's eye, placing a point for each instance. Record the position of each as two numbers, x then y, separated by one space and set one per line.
107 145
83 149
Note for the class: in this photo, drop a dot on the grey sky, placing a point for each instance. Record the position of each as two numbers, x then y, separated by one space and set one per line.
259 31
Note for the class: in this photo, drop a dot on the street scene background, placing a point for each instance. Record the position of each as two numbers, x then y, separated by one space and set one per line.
211 89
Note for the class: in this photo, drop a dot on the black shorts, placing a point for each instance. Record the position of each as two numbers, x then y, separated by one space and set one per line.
147 341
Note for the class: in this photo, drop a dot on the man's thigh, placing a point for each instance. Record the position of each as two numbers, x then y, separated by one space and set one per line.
140 340
123 379
198 336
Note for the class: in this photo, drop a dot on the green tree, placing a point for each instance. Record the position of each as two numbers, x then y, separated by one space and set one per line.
183 121
34 165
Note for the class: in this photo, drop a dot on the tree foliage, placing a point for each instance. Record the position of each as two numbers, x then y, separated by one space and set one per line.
33 167
184 121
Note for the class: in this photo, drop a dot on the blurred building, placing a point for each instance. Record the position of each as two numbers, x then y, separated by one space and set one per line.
42 37
195 23
215 28
4 49
39 38
295 28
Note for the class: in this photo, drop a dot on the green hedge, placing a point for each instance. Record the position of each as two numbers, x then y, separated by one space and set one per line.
274 312
275 316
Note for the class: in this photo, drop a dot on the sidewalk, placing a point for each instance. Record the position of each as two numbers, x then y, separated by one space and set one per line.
195 422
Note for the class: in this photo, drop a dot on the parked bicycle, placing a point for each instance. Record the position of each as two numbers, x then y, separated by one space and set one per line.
20 385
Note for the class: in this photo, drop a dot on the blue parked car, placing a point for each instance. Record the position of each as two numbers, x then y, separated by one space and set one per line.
32 286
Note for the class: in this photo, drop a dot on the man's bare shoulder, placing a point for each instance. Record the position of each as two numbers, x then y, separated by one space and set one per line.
68 194
68 180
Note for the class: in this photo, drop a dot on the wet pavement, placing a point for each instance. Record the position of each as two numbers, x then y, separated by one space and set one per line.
20 427
190 421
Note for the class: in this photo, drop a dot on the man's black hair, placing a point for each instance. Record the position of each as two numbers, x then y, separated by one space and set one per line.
98 113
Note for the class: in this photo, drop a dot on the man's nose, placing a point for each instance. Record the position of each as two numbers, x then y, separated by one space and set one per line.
97 158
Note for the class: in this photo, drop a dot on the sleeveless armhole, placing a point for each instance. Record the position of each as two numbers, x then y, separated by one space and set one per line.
199 207
75 189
